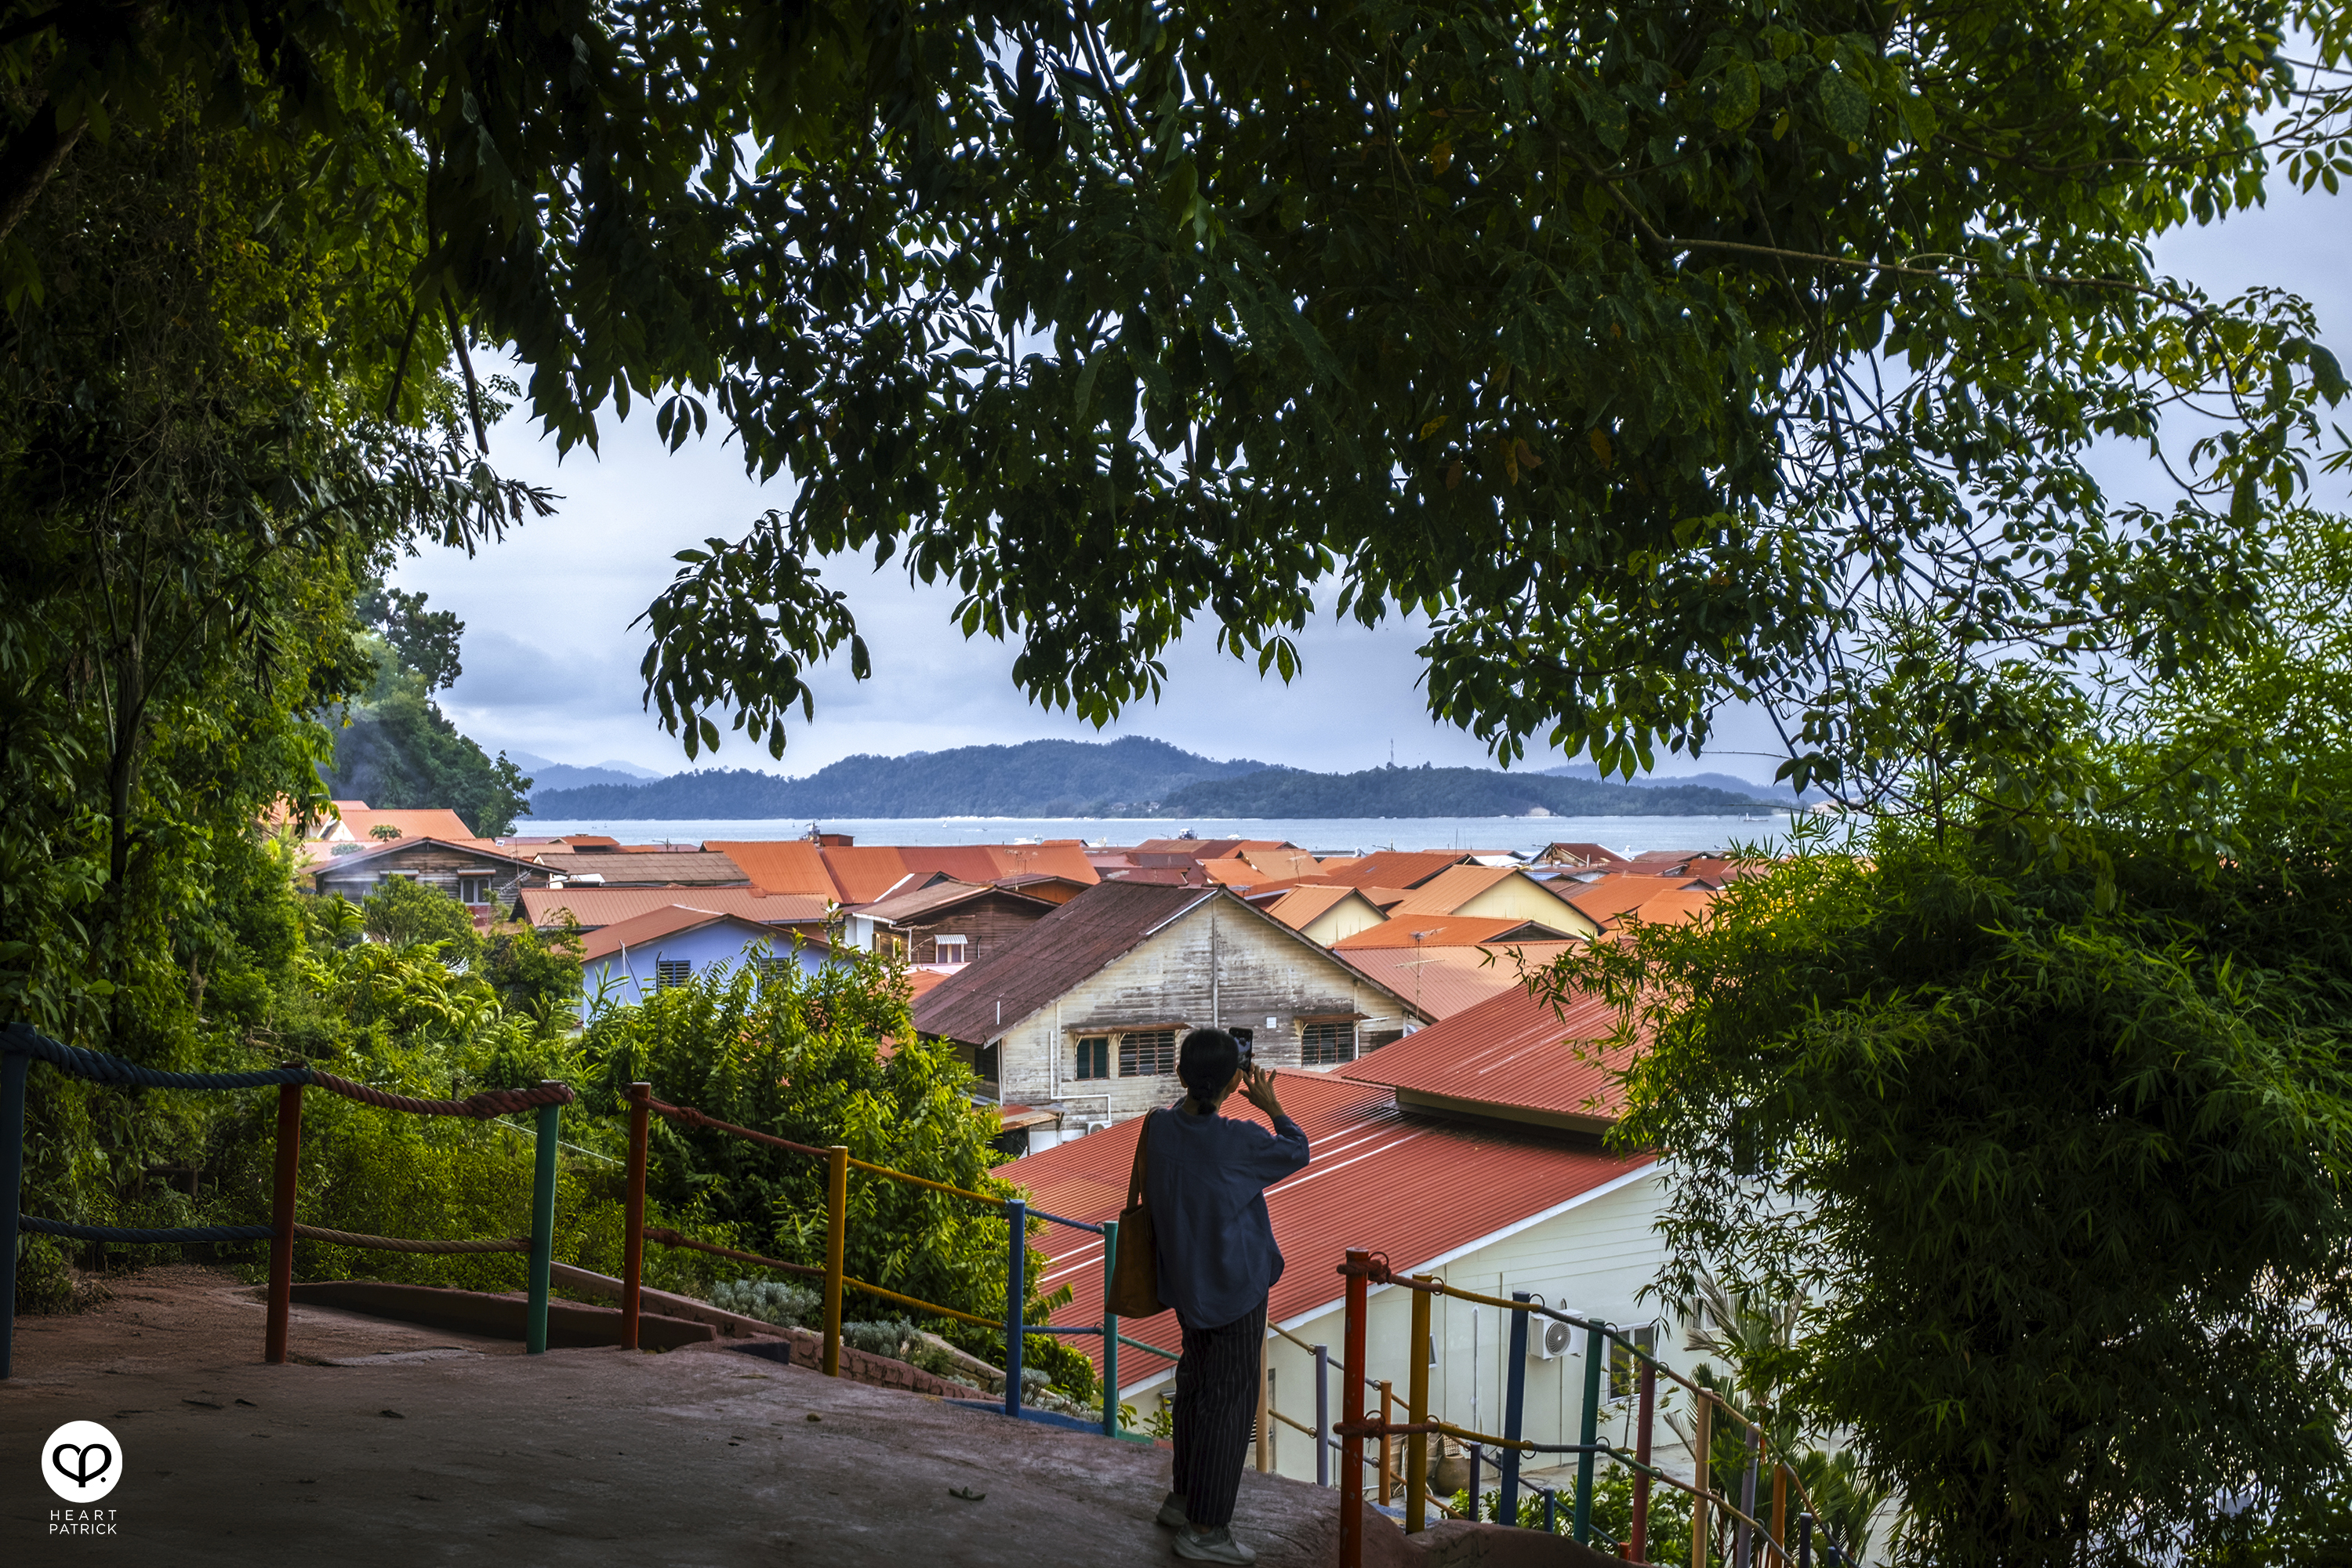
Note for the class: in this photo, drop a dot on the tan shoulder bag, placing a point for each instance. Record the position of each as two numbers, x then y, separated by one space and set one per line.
1135 1272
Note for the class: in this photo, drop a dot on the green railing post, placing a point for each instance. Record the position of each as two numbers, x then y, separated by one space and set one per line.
14 1065
1110 1332
1596 1347
1016 1299
543 1228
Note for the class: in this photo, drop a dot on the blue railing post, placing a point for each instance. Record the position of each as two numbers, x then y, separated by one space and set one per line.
1515 1402
1804 1541
543 1228
1016 1295
1323 1415
14 1065
1596 1348
1110 1332
1476 1454
1551 1511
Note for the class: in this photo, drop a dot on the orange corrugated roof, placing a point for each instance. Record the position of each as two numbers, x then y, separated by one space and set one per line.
1512 1051
1380 1178
1443 981
1392 867
1678 904
1452 887
863 873
1443 932
1232 872
778 864
431 822
1616 894
1300 907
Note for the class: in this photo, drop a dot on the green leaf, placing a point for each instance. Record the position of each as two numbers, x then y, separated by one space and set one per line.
1739 93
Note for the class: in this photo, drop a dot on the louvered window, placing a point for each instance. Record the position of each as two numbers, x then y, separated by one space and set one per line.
1151 1054
1327 1042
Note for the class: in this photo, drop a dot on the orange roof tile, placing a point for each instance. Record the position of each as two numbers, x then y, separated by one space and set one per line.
432 822
1380 1178
597 907
1443 981
1449 931
670 921
863 873
778 864
1392 867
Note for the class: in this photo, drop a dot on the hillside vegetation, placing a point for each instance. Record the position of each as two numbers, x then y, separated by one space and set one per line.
1443 792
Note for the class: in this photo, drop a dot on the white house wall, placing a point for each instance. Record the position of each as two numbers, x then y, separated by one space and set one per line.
1593 1259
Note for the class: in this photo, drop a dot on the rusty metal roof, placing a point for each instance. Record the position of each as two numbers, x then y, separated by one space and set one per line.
1418 1188
778 865
863 873
1406 868
1452 931
1511 1052
669 868
1443 981
1017 977
598 907
946 895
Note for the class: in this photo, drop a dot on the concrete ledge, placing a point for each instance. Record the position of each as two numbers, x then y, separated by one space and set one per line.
570 1324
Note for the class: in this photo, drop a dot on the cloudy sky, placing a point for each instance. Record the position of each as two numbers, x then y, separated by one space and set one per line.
552 665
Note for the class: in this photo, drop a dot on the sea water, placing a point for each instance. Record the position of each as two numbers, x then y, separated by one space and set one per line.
1761 828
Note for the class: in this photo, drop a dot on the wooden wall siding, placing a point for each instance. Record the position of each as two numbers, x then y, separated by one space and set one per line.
984 923
1260 971
432 863
1595 1259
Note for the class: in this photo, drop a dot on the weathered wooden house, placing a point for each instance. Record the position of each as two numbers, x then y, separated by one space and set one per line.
948 922
485 879
1083 1010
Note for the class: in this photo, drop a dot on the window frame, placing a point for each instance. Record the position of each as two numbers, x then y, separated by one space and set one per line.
1165 1054
1312 1053
672 972
1094 1059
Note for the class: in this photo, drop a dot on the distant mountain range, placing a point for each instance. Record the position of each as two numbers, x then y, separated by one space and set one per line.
1036 778
546 776
1731 782
1428 791
1132 776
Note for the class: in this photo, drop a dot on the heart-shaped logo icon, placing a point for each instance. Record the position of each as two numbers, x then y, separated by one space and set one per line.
83 1465
81 1461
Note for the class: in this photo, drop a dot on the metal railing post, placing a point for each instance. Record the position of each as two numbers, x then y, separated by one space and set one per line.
14 1066
1639 1547
1804 1541
1322 1415
1351 1415
1110 1332
1743 1535
1551 1511
633 1239
1416 1410
287 1170
1779 1528
542 1226
836 1246
1476 1454
1514 1401
1017 1299
1596 1349
1388 1445
1701 1445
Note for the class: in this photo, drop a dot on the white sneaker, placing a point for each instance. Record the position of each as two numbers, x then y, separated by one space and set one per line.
1212 1545
1172 1512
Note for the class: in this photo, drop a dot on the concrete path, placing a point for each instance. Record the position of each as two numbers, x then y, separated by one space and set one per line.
433 1451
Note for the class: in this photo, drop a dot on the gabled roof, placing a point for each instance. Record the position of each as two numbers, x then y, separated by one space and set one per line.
595 907
1300 907
1581 854
1452 931
1078 939
1406 868
778 864
1620 893
1443 981
1005 986
361 820
861 873
1675 906
1417 1188
483 848
1231 871
1456 886
674 921
659 868
945 894
1511 1055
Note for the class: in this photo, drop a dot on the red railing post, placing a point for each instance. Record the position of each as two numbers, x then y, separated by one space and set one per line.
633 1244
281 1221
1637 1546
1351 1416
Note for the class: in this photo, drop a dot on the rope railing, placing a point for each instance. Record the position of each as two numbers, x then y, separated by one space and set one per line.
21 1046
642 1107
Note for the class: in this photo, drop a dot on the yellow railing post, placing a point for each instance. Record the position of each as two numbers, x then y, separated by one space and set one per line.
836 1243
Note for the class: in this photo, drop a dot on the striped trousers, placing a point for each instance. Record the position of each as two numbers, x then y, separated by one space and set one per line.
1216 1414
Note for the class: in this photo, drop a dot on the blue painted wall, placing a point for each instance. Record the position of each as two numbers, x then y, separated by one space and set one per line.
721 942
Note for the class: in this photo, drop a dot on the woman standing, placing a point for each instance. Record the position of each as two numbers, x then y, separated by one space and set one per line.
1205 1177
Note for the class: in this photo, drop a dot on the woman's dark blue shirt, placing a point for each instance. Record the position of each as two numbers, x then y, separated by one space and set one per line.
1205 1178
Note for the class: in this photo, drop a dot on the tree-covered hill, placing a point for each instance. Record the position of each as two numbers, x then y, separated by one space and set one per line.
1039 778
1443 792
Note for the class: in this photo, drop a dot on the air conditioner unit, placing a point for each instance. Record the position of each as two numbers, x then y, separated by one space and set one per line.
1551 1340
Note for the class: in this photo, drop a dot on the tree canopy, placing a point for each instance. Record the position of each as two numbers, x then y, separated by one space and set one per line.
1657 354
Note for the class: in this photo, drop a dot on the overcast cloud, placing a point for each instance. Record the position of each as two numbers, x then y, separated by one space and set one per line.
552 665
